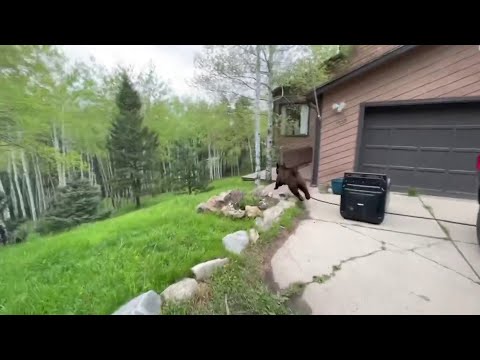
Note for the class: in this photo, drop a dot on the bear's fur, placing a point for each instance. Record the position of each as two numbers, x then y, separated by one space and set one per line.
292 178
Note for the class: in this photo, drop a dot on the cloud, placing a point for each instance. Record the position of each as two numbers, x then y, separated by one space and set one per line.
174 63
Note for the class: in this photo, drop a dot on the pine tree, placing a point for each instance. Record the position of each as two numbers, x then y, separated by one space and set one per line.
131 145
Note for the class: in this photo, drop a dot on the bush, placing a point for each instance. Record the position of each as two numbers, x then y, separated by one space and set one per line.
75 204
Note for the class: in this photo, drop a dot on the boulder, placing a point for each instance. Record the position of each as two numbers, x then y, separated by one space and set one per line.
267 202
148 303
216 203
272 215
253 211
234 197
230 211
180 291
204 270
259 191
253 235
236 242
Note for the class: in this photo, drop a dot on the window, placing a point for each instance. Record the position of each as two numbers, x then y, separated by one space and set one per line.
294 120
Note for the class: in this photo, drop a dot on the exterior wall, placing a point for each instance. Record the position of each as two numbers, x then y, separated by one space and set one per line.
430 71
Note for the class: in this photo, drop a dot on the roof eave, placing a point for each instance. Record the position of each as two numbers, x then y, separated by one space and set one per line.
361 70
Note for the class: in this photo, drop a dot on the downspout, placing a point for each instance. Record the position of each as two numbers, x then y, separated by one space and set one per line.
316 147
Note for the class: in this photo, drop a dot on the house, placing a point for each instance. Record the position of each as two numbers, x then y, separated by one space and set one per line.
410 111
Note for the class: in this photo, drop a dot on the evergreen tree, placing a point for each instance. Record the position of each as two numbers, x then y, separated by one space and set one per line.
74 204
190 169
131 145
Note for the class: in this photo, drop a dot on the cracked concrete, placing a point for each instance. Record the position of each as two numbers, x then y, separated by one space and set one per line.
403 266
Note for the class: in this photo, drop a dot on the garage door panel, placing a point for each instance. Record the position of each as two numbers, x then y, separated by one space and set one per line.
468 137
463 160
403 157
434 158
429 147
460 183
377 137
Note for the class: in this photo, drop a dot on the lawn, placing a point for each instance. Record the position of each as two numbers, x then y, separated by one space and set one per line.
95 268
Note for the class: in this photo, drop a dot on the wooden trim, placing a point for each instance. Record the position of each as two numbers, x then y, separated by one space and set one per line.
316 146
431 101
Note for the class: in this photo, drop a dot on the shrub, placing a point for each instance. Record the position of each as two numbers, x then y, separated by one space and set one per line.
75 204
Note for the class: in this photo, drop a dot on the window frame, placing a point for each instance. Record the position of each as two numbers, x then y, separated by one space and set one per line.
283 119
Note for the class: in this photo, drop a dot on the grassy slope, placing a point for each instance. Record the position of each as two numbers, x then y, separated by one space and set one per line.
95 268
240 287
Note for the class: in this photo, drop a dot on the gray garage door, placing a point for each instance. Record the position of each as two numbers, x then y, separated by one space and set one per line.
432 148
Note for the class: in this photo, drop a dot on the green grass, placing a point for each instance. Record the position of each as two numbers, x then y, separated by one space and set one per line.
240 286
95 268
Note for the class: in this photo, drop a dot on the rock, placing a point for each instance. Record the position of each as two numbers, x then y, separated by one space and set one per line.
148 303
234 197
253 235
259 191
267 202
272 215
230 211
216 203
204 270
180 291
253 211
236 242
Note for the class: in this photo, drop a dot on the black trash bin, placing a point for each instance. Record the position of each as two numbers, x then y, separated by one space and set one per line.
365 197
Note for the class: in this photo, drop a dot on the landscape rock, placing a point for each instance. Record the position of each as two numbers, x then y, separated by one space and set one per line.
267 202
259 191
148 303
253 235
253 211
236 242
180 291
234 197
217 202
204 270
230 211
272 215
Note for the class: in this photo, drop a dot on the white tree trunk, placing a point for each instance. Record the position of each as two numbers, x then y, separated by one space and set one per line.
60 169
13 197
250 153
29 186
257 115
268 170
17 185
6 211
210 167
40 188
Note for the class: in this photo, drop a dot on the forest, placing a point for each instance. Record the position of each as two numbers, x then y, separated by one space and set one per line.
77 129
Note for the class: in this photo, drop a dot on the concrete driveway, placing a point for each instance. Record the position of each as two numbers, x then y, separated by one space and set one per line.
424 265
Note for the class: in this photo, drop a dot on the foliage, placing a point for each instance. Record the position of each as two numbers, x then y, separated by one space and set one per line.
74 204
95 268
309 71
190 169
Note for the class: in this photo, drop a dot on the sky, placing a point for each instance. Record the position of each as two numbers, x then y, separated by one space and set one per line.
174 63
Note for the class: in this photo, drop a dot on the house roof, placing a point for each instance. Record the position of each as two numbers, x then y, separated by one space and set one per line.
361 70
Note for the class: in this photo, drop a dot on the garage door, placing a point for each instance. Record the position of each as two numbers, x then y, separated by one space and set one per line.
431 148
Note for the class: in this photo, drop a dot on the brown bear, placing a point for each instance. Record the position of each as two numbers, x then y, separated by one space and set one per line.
292 178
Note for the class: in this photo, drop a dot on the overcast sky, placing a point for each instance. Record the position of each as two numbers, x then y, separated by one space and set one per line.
174 63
